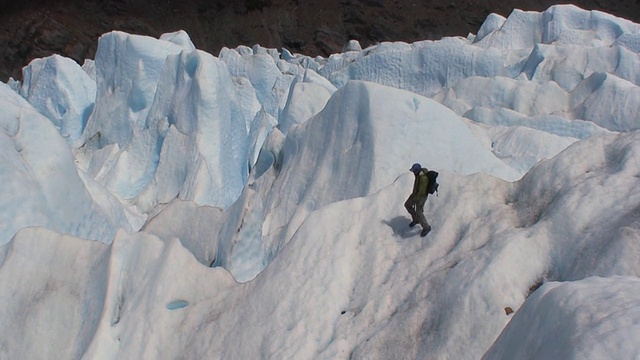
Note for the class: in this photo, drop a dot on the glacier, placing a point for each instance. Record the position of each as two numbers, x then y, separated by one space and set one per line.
162 202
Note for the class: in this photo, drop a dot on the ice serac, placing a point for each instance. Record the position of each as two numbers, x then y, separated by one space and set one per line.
558 25
128 68
181 38
568 65
308 94
262 71
261 127
168 123
526 97
118 150
522 147
41 184
525 116
549 124
492 23
198 113
418 67
607 101
59 89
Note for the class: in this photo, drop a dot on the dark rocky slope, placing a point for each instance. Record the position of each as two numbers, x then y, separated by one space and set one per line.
31 29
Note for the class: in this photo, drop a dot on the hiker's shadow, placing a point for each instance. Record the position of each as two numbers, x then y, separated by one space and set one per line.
400 227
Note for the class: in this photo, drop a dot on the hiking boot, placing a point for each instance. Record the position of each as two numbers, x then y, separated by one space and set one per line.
425 231
413 223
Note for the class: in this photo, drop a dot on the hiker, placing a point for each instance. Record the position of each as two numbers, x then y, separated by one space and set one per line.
415 202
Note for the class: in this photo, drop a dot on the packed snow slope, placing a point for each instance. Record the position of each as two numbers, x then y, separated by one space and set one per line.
162 202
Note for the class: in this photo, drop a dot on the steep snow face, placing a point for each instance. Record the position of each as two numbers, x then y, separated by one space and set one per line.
592 217
368 133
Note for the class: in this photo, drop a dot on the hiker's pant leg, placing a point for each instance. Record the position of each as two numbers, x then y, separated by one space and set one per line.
410 205
419 213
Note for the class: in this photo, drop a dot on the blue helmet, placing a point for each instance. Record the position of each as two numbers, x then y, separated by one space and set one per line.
415 167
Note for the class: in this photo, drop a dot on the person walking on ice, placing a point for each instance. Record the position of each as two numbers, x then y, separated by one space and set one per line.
421 190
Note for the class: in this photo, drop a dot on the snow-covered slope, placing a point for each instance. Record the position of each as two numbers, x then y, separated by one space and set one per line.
250 205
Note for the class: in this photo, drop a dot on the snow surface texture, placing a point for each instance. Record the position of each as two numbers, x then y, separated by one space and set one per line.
161 202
